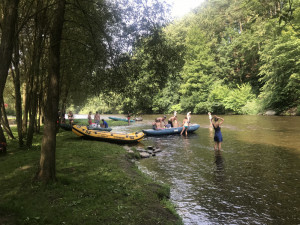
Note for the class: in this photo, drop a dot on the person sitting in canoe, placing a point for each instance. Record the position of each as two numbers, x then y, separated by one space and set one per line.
161 120
157 125
104 124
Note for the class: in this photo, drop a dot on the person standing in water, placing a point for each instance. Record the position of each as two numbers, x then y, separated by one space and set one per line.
185 126
216 122
188 116
209 117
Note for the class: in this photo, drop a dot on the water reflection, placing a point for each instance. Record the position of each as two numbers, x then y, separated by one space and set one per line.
220 166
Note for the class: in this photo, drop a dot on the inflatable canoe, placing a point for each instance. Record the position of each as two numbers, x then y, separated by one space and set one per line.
120 138
120 119
169 131
95 127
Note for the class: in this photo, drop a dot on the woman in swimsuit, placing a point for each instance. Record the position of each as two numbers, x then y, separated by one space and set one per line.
216 122
185 125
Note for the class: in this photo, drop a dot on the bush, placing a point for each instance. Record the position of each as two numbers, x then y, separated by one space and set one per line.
298 110
238 98
202 107
251 108
176 108
217 108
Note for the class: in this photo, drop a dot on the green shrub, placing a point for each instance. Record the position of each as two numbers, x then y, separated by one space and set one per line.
202 107
238 98
251 108
176 108
217 108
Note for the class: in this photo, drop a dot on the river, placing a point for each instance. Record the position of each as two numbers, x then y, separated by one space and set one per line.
255 179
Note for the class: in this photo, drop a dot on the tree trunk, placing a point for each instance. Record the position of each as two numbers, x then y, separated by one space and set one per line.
10 14
17 85
47 170
4 122
26 108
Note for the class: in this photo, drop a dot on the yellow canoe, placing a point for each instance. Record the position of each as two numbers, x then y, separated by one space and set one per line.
122 138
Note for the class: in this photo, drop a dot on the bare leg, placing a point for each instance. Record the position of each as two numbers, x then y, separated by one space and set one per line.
182 130
216 145
219 146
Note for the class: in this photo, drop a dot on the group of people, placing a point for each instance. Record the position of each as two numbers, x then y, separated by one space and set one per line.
90 122
160 122
97 120
215 122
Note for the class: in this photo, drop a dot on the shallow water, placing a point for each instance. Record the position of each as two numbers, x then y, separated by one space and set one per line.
254 180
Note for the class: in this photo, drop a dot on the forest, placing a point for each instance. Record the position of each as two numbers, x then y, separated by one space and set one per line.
237 57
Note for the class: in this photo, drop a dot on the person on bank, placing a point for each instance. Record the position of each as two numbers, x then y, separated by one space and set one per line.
128 117
185 125
97 118
104 124
90 118
216 123
71 118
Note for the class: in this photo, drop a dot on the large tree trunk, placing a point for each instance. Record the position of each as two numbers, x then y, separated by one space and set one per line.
6 47
47 162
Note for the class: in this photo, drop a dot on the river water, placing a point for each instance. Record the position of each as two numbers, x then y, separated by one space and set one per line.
255 179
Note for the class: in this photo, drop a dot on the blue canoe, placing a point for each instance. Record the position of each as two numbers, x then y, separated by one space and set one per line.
119 119
169 131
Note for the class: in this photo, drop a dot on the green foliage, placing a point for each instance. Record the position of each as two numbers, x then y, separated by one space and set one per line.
202 108
196 74
238 98
252 108
154 66
176 108
280 72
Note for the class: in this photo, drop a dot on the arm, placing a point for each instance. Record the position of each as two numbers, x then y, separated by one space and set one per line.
222 120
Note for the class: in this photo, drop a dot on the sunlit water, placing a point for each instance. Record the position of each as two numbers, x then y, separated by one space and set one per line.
254 180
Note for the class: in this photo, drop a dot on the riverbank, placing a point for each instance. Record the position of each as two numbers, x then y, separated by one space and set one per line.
97 183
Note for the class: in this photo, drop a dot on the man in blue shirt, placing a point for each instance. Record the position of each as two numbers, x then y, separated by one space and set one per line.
104 124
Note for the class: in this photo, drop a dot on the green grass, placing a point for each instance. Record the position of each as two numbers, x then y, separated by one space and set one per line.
96 184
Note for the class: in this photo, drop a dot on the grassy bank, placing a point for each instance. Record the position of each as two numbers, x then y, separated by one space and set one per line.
97 184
